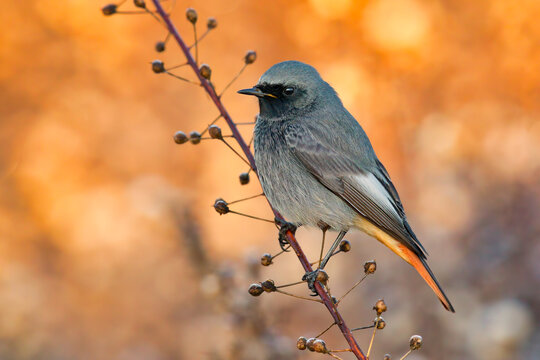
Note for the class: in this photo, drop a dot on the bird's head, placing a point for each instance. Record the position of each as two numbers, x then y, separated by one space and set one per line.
290 89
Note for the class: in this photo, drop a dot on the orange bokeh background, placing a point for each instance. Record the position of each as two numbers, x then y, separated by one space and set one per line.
110 248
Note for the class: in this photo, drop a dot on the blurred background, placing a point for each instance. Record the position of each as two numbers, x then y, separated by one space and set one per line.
110 247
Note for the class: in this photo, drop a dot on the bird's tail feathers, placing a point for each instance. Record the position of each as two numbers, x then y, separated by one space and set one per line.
409 256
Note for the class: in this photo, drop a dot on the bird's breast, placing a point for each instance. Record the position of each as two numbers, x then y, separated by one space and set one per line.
291 189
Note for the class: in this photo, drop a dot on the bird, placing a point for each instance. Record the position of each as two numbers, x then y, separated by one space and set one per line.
317 166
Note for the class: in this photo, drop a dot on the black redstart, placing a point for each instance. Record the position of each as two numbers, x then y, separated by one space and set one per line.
317 166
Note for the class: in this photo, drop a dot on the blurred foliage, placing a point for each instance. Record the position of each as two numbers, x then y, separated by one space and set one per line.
98 206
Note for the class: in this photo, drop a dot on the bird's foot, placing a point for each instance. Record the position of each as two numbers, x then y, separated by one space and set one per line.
284 227
311 277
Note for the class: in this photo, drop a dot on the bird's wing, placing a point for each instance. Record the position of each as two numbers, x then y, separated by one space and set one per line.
367 189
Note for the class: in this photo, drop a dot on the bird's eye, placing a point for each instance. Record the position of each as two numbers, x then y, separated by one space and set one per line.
288 91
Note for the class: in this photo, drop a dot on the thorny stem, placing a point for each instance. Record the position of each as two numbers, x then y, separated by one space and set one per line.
325 298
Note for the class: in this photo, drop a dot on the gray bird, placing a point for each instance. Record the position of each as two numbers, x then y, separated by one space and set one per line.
317 166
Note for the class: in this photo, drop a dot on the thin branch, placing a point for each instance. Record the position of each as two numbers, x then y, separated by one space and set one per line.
298 296
250 216
325 330
291 284
351 289
325 298
233 80
244 199
406 354
236 152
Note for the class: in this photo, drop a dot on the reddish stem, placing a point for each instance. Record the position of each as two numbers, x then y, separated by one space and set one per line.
355 349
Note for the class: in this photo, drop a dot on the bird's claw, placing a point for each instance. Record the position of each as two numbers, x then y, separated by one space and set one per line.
284 227
311 277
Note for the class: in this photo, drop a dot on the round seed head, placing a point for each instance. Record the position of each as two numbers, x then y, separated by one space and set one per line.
322 276
215 132
387 357
221 207
309 344
380 307
255 290
109 10
195 137
370 267
140 4
244 178
205 71
345 246
191 15
266 260
250 57
158 66
381 324
320 346
268 285
211 23
180 137
160 46
301 343
415 342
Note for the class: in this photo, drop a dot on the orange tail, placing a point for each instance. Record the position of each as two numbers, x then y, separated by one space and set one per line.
425 272
409 256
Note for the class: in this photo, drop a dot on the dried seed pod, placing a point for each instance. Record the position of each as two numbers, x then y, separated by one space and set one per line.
387 357
380 306
268 285
255 290
322 277
370 267
158 66
109 10
211 23
320 346
345 246
191 15
266 260
415 342
250 57
309 344
195 137
215 132
180 137
244 178
301 343
160 46
140 4
221 207
205 71
379 322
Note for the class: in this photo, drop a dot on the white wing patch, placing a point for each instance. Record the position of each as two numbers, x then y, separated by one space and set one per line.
369 185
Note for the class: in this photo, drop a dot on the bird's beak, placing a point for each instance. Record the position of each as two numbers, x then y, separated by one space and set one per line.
255 92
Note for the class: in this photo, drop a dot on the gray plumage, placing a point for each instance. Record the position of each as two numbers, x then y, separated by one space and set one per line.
317 166
316 163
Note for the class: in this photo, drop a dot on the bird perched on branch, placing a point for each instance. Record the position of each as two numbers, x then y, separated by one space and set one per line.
317 166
